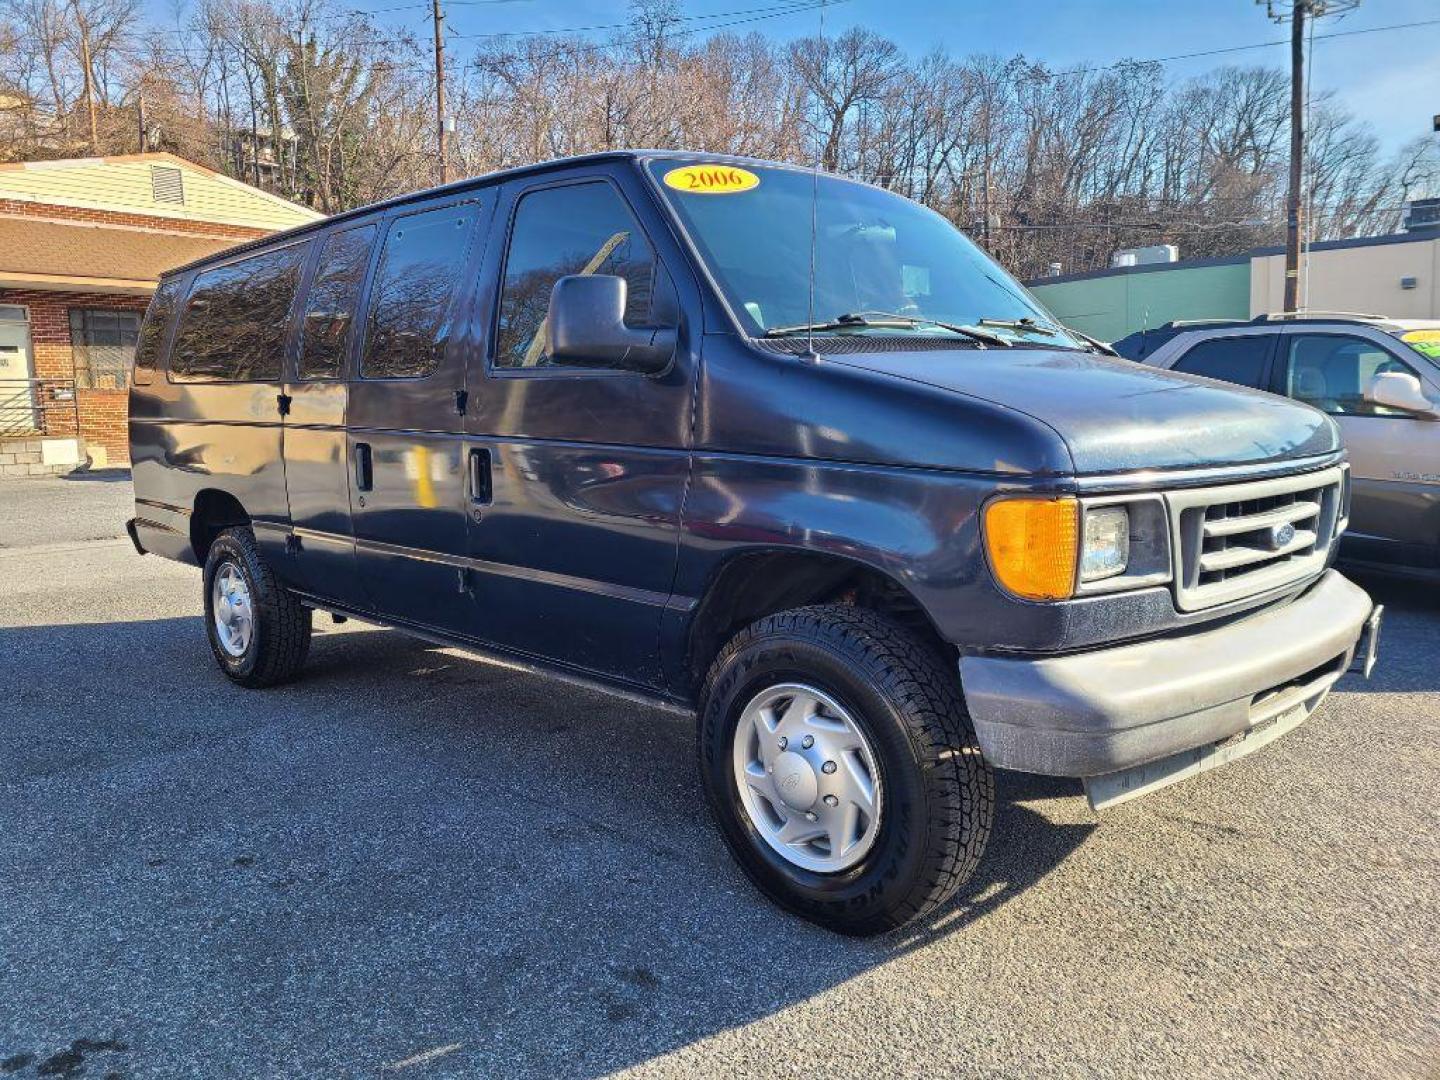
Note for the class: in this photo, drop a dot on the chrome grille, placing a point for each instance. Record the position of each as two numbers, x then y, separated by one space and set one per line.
1236 540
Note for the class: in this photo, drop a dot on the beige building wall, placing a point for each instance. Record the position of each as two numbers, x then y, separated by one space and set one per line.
1364 279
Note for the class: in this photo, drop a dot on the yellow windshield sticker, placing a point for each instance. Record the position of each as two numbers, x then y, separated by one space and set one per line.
711 179
1425 341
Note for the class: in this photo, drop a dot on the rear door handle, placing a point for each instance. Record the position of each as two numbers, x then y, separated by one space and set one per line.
478 479
364 467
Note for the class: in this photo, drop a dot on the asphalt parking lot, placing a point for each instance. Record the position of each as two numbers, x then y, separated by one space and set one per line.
414 863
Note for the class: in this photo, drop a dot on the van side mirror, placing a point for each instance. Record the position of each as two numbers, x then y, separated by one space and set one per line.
587 327
1401 390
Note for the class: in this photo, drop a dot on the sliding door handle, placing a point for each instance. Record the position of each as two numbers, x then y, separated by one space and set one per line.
478 479
364 467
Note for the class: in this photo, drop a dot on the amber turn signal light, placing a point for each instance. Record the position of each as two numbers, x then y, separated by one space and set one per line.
1032 544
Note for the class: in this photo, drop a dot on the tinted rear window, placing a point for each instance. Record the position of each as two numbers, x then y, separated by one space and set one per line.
330 305
410 299
233 328
1233 359
159 317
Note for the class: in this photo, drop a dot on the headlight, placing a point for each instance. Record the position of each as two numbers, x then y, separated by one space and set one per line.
1105 550
1032 544
1051 548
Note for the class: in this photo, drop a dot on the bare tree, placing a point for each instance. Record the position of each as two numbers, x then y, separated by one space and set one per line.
314 101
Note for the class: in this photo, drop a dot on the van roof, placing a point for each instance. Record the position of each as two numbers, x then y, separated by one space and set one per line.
467 184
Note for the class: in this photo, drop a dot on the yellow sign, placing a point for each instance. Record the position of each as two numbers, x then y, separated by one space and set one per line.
1425 341
711 179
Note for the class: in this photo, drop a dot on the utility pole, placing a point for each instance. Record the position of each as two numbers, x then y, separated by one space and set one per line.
140 116
1295 12
985 188
88 77
1293 201
444 136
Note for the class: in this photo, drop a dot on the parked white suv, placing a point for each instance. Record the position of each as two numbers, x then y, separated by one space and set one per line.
1378 378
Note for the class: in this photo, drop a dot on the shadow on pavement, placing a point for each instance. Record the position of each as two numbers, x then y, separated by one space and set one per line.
1412 612
405 851
99 476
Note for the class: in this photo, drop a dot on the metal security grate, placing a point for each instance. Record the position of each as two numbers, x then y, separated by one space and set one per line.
1241 539
167 184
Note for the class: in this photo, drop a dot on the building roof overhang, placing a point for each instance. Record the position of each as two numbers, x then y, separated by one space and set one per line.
68 256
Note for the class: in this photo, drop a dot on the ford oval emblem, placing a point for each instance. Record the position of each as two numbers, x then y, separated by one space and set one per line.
1280 535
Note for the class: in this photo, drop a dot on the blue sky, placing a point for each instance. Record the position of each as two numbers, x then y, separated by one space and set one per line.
1391 80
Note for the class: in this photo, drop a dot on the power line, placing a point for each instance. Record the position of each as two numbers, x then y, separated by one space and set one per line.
426 7
747 15
772 12
1237 48
777 11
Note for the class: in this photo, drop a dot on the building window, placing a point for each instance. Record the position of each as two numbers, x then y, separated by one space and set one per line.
104 347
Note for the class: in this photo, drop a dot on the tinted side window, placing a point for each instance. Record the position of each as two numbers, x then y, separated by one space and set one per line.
1232 359
233 327
410 300
330 306
577 229
159 317
1331 372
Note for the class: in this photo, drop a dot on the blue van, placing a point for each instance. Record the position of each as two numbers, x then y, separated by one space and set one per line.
780 449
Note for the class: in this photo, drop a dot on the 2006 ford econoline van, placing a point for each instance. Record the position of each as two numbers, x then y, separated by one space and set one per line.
861 505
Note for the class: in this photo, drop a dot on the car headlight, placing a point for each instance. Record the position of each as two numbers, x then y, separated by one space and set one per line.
1105 549
1045 547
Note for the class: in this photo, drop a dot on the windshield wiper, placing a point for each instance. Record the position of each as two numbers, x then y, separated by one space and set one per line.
1027 325
884 320
1096 344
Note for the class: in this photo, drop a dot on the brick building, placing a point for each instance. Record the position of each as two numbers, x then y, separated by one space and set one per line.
82 243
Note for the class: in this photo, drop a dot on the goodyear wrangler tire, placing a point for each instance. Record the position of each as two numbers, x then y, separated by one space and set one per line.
258 631
842 769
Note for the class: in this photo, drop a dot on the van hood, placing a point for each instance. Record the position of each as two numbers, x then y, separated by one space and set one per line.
1115 415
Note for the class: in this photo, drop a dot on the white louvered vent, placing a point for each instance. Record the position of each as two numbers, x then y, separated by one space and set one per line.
167 184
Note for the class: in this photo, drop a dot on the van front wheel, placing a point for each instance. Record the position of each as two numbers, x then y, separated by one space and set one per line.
259 632
842 769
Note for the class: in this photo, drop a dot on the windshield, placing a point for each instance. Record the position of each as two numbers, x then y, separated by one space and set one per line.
896 265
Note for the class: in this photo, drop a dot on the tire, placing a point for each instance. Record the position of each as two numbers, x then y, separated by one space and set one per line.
936 795
278 640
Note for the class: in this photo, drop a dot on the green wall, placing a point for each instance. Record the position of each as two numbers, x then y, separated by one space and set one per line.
1110 306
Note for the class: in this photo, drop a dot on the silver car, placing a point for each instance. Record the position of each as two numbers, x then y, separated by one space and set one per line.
1378 378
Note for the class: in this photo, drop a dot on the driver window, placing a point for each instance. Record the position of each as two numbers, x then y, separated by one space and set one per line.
1331 372
574 229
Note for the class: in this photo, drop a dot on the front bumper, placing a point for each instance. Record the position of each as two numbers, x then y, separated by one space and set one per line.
1093 713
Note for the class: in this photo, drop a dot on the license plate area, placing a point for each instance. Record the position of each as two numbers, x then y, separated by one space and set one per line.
1368 649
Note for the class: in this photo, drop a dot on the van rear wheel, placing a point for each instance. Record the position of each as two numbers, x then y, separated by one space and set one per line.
259 632
842 769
